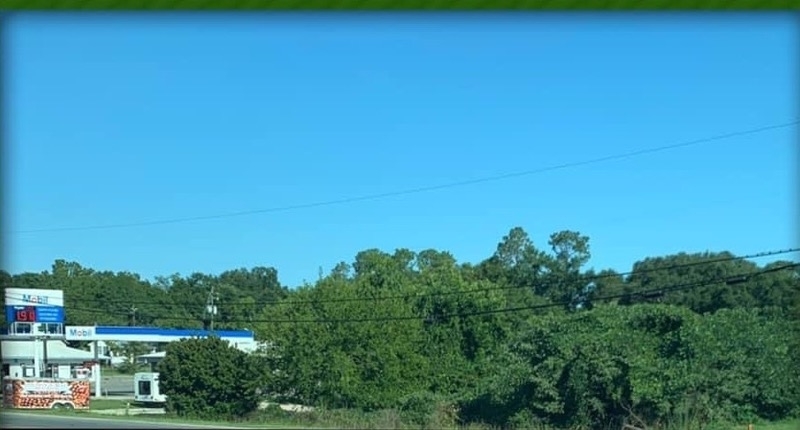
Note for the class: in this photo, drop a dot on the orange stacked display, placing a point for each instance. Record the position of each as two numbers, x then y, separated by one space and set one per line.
30 393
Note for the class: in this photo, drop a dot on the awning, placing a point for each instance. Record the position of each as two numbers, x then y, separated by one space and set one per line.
57 350
152 356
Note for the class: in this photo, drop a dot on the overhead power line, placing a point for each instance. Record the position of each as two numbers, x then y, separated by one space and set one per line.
414 190
728 280
587 279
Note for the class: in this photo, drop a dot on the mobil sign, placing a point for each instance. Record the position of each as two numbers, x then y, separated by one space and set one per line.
34 297
49 304
80 333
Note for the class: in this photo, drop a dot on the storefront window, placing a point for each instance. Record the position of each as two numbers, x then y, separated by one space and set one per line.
51 371
54 329
23 328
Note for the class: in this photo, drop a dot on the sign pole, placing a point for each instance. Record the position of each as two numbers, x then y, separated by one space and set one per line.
96 372
36 363
44 355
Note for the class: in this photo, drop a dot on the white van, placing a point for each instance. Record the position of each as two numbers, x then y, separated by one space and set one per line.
145 388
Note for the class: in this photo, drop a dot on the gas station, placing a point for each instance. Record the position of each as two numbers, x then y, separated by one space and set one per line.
35 346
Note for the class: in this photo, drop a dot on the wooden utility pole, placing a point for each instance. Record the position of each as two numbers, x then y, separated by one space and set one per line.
133 316
211 307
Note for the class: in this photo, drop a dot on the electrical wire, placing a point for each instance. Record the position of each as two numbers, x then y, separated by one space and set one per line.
413 190
729 280
589 278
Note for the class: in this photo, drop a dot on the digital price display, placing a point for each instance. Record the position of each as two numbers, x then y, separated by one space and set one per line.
34 314
26 314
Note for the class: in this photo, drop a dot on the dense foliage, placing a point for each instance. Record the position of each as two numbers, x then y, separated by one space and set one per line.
526 336
209 378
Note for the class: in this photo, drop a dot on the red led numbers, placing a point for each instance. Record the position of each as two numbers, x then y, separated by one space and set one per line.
26 315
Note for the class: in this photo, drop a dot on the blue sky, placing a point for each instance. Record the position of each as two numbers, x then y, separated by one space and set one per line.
118 119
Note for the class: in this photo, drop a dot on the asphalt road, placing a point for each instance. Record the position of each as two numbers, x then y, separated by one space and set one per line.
20 420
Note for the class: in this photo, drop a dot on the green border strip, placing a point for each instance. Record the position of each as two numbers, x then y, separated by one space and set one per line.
409 5
161 419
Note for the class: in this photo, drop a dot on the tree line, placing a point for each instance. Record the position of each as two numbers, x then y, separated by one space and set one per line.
528 336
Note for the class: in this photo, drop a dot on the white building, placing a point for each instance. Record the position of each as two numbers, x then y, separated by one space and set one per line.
37 358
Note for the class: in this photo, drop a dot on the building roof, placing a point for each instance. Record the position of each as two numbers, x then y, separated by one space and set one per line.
153 355
150 334
171 332
57 350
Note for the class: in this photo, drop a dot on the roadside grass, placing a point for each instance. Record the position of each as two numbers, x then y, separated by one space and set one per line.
777 425
391 419
95 405
154 419
157 418
338 420
106 404
780 425
179 420
388 423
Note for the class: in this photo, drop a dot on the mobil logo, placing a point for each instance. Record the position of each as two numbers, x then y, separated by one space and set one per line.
32 298
80 332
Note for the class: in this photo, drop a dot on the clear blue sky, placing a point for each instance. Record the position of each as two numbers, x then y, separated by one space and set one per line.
118 119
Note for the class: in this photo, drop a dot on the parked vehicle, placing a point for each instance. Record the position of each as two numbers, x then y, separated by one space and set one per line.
146 390
46 393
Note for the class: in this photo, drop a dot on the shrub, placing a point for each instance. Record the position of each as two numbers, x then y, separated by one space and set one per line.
210 378
418 408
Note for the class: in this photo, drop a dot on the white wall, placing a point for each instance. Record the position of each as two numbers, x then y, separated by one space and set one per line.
17 370
65 371
102 348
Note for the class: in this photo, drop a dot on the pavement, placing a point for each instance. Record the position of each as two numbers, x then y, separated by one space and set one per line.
119 385
22 420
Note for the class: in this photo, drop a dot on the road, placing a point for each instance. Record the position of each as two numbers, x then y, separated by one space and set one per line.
21 420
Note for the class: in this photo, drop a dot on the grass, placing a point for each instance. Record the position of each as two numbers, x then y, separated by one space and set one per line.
159 419
106 404
321 423
781 425
95 405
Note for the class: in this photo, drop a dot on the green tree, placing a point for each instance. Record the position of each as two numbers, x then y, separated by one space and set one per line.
697 272
210 378
564 283
415 331
745 360
328 361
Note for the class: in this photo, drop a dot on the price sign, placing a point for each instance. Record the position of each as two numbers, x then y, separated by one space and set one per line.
27 314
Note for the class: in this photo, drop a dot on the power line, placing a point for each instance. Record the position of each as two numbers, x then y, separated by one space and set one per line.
469 291
729 280
475 290
414 190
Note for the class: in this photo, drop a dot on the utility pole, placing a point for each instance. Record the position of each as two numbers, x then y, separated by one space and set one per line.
133 315
211 307
44 358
